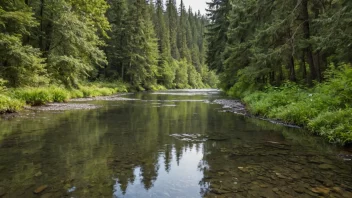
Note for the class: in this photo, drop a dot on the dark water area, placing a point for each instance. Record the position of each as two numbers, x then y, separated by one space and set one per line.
165 144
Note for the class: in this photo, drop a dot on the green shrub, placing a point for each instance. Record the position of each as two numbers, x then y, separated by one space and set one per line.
59 94
158 87
2 85
10 105
75 93
105 91
261 103
324 109
93 91
88 92
33 96
335 125
296 113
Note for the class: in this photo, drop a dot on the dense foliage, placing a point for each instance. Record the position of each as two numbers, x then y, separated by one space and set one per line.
66 42
260 42
288 60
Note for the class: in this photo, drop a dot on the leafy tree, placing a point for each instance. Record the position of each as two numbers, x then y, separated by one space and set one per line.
20 64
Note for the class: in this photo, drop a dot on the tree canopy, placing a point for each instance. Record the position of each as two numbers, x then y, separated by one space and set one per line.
144 43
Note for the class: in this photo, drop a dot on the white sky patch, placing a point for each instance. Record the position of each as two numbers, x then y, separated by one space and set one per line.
195 5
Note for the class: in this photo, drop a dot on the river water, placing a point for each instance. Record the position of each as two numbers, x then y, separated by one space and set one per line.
165 144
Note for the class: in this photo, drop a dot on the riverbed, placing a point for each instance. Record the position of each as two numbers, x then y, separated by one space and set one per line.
177 143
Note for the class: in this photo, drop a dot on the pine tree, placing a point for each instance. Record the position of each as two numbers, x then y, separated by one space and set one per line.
218 12
117 49
166 71
172 17
143 50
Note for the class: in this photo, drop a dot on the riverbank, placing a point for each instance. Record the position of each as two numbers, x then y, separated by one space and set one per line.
14 100
324 110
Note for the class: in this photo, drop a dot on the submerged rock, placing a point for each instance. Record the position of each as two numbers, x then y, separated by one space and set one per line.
40 189
47 195
38 174
321 190
234 106
2 191
190 137
326 167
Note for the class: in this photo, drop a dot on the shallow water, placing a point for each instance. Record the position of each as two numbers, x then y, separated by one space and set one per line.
165 144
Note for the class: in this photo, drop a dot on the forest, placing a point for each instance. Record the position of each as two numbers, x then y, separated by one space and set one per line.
287 59
56 50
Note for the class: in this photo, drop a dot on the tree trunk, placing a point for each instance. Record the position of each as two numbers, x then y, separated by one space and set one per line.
122 71
318 63
41 35
308 49
291 67
281 76
303 68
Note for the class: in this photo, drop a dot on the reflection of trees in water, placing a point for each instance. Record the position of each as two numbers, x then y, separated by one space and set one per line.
168 157
88 149
150 141
55 152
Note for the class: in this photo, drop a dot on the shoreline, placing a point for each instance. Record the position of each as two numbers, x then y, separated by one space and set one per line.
72 104
239 107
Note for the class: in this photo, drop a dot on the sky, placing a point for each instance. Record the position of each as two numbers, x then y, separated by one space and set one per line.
195 5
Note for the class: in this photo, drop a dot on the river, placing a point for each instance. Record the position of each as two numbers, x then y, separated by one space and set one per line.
165 144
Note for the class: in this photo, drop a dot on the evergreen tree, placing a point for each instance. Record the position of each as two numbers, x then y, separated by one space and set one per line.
117 49
143 48
172 17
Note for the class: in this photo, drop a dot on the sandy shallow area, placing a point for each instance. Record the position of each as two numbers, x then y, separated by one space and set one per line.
63 107
117 97
73 105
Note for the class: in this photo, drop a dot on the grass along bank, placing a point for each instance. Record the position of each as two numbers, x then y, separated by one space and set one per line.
14 100
324 109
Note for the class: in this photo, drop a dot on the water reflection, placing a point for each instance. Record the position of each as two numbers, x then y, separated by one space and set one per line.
126 149
183 177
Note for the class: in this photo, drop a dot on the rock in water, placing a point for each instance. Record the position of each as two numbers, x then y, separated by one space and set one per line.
38 174
321 190
326 167
47 195
40 189
2 191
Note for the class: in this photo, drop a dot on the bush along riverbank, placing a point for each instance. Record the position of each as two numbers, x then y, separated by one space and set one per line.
14 100
324 109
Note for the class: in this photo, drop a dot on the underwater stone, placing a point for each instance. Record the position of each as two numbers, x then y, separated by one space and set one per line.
40 189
